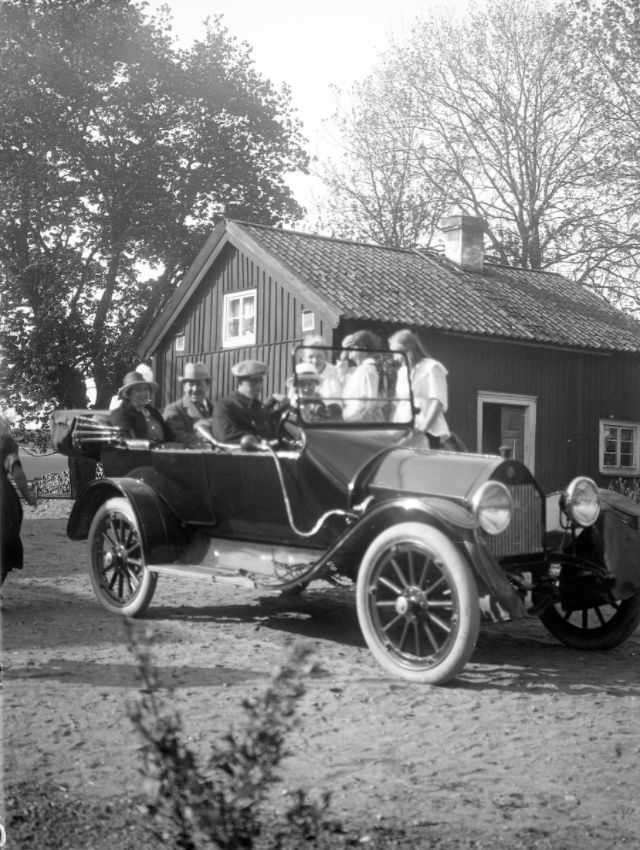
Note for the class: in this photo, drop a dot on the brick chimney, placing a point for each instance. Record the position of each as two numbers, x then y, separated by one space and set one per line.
463 239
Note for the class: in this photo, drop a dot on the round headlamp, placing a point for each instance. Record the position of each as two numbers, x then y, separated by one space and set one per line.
581 501
492 507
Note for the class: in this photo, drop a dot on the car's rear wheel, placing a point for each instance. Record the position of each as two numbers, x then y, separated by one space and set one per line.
603 625
417 603
119 575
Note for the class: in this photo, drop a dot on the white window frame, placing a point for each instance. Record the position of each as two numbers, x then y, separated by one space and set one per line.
180 341
619 470
308 321
241 339
529 402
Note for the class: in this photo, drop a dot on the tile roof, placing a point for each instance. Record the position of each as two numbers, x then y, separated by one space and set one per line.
394 285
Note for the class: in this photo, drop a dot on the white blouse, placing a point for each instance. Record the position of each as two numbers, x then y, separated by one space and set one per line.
428 381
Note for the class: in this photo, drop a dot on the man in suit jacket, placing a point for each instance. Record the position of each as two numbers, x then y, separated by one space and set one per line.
242 412
195 404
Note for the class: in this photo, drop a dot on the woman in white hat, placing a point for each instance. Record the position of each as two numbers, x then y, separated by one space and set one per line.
136 416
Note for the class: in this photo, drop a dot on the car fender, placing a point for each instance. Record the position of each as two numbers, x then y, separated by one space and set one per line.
454 519
498 599
163 535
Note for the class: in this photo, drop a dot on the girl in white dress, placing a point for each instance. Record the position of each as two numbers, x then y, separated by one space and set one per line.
361 381
428 380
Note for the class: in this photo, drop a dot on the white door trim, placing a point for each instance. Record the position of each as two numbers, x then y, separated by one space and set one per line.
529 402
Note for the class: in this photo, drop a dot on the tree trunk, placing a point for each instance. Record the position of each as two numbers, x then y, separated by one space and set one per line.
106 386
71 389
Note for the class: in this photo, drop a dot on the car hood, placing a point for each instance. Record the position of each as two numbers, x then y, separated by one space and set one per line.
391 460
451 475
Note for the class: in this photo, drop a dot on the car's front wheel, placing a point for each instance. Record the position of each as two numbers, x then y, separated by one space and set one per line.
417 603
605 624
119 575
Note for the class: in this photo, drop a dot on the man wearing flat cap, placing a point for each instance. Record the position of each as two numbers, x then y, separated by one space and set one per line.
182 415
243 412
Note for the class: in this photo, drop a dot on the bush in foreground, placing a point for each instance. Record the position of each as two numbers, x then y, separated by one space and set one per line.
222 804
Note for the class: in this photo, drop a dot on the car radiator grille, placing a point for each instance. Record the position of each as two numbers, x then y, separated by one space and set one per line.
525 533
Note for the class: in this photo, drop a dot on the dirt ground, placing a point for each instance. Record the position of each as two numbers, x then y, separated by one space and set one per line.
533 746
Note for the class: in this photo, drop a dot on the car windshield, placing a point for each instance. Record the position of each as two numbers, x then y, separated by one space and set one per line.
352 386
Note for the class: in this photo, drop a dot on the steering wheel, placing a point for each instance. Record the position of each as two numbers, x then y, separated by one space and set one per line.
284 437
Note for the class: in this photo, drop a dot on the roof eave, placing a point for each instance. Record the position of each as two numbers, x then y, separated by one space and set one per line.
196 271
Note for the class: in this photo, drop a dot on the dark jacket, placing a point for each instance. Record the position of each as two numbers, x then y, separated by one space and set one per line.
181 416
10 509
134 423
237 415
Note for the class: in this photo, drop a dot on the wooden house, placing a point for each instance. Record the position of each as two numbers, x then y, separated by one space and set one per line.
535 361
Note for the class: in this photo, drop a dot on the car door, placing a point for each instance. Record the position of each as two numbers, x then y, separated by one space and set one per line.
248 499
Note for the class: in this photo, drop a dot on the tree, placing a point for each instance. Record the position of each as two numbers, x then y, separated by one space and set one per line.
490 113
118 153
607 34
376 190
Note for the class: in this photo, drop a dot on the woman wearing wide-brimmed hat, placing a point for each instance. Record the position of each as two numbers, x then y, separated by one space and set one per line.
136 415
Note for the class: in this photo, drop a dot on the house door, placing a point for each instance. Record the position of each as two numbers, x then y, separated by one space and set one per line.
507 420
512 430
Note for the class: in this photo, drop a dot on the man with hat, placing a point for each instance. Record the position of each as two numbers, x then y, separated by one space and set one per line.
182 415
136 416
242 412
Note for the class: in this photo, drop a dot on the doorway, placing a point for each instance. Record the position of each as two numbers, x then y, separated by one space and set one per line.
507 420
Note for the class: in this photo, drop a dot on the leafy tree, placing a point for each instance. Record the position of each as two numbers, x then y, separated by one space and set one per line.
118 153
490 113
607 33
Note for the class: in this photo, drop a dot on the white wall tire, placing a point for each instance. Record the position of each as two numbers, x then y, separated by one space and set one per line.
119 575
417 603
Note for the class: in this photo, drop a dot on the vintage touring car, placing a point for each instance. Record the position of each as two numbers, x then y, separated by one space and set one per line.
431 540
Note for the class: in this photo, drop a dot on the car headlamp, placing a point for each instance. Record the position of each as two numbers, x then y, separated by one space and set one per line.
581 501
492 507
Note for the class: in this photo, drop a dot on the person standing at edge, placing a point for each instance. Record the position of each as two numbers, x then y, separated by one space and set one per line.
182 415
11 553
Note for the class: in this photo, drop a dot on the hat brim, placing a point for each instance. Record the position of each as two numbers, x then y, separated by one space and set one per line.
298 379
122 392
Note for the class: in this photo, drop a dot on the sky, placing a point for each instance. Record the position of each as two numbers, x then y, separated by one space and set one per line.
310 46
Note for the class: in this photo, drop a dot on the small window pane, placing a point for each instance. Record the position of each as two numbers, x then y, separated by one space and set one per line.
619 447
239 319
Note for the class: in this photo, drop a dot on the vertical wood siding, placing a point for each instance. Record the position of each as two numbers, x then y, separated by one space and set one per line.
574 391
278 328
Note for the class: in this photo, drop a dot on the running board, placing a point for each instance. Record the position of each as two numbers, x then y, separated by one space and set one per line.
194 571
